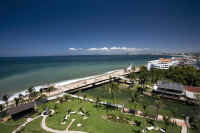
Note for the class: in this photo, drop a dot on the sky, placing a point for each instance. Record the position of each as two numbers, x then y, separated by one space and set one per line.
63 27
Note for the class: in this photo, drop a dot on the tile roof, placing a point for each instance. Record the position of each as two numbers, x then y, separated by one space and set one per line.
165 60
192 88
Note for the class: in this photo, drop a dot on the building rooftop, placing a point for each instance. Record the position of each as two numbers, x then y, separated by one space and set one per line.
20 108
170 85
165 60
192 89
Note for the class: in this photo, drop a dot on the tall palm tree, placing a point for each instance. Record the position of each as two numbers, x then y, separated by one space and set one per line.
16 101
21 99
1 107
134 99
159 104
84 97
112 87
32 93
143 76
166 121
30 90
144 114
97 101
132 75
5 99
198 99
50 89
41 92
66 97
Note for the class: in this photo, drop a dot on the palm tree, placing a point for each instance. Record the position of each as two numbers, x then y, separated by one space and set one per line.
166 121
21 100
5 99
132 75
158 103
144 114
112 87
84 97
41 92
198 99
51 88
134 99
1 107
144 109
66 97
30 90
97 101
61 99
143 77
32 93
16 101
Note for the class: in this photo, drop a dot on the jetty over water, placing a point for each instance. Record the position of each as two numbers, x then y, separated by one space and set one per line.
91 81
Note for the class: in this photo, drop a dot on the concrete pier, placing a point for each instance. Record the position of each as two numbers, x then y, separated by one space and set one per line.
90 82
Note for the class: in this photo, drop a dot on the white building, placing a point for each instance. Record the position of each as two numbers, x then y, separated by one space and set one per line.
191 92
162 63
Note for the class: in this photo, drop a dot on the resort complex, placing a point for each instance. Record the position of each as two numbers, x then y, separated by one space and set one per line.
99 66
162 63
166 63
123 100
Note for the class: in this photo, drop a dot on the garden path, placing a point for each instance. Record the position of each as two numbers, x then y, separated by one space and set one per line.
23 125
44 126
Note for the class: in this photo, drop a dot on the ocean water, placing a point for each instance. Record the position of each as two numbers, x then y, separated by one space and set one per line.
20 73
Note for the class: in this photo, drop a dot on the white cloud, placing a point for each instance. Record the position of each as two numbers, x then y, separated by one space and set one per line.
92 49
127 49
104 48
98 49
72 49
111 50
75 49
115 48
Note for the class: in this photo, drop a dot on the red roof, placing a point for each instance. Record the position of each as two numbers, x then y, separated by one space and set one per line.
192 88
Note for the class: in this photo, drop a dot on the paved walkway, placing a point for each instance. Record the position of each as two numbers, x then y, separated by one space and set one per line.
184 129
178 122
23 125
43 125
70 124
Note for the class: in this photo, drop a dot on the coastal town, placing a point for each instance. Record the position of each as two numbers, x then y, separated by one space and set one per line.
155 101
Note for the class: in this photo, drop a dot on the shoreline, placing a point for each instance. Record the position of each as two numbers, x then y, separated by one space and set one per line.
59 83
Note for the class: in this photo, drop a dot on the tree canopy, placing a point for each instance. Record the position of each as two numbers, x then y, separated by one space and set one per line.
186 75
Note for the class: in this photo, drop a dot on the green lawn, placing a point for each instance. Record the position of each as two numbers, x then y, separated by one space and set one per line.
123 95
193 131
96 123
9 126
34 127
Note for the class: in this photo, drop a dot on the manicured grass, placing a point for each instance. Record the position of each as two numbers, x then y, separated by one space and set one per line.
174 108
34 127
10 125
96 123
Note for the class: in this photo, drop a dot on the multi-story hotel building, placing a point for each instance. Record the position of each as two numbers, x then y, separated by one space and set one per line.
162 63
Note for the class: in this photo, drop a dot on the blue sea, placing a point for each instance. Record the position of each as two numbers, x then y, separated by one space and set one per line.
20 73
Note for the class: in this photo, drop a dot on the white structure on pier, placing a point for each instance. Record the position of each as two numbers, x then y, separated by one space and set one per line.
162 63
129 69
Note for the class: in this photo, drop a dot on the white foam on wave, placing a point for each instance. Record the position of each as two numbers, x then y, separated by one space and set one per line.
56 84
62 83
